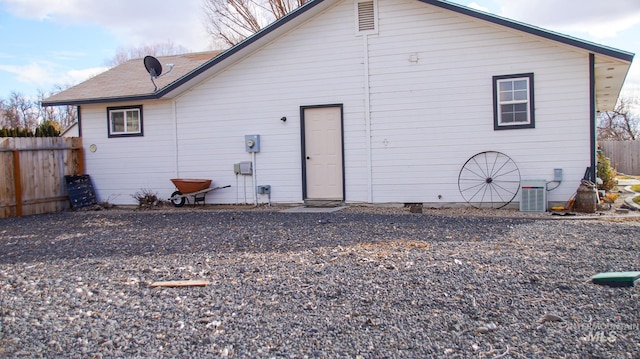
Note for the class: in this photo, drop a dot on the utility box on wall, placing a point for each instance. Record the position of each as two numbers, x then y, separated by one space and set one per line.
557 174
252 143
243 168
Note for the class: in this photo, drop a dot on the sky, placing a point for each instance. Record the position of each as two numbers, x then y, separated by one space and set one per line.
44 43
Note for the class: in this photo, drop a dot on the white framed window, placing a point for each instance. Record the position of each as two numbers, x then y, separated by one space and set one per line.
513 101
124 121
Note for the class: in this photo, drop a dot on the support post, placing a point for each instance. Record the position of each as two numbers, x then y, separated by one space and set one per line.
592 119
80 159
17 182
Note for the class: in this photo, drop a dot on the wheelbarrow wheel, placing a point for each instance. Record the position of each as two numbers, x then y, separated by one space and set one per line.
177 201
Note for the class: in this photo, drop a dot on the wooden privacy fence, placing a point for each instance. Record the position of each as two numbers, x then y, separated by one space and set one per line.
32 173
624 155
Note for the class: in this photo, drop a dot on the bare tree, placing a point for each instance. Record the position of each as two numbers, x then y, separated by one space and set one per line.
280 8
24 113
125 54
231 21
3 111
10 116
18 112
65 116
48 112
620 124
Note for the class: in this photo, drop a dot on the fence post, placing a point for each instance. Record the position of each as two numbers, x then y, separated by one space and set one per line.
80 157
17 182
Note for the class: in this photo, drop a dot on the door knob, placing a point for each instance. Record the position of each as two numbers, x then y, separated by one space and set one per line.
308 157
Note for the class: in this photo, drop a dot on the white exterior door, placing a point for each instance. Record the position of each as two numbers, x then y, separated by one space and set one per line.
323 153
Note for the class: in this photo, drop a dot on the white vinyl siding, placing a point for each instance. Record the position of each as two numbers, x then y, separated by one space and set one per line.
429 86
429 117
252 96
123 166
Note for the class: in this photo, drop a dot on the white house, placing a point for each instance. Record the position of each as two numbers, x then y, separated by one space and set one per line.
358 101
71 131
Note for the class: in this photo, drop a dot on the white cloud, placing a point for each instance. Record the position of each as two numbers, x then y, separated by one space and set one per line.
597 18
67 55
633 77
32 73
135 23
44 74
477 6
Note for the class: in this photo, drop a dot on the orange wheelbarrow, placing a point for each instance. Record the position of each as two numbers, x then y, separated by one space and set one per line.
191 187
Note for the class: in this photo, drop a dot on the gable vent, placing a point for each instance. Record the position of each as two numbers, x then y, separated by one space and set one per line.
366 16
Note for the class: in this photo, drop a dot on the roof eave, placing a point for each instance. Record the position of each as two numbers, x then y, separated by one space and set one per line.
76 102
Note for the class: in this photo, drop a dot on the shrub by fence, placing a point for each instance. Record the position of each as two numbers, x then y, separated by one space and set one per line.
32 171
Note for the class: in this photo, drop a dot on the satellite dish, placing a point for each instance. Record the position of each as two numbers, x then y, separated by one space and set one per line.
154 68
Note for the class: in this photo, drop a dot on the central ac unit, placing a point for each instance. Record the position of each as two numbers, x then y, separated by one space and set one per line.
534 196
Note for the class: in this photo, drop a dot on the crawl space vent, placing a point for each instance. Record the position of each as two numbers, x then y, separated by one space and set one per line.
366 16
534 196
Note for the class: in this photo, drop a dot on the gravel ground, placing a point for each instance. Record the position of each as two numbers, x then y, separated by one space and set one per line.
358 283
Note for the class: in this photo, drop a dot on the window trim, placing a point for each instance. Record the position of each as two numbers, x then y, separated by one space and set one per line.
530 102
124 109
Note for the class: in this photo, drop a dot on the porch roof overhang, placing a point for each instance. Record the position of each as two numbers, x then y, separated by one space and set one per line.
610 74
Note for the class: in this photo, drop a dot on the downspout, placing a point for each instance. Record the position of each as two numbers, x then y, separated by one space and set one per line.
175 137
79 117
83 161
367 119
592 116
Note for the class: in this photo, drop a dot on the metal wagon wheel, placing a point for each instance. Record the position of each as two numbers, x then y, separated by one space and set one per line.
489 179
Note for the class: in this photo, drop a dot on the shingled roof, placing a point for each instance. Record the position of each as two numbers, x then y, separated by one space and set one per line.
130 80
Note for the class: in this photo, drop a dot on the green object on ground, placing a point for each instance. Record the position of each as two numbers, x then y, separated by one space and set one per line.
616 279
